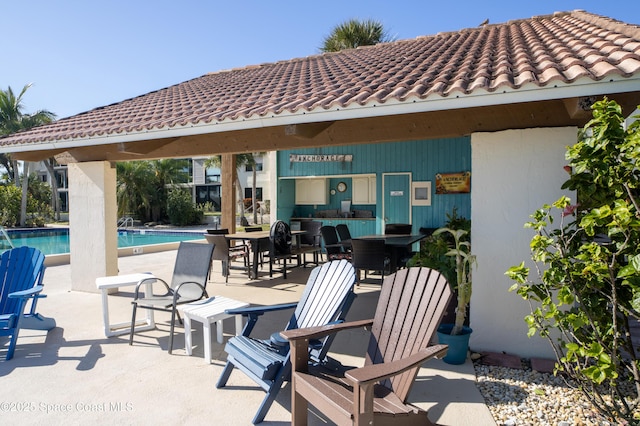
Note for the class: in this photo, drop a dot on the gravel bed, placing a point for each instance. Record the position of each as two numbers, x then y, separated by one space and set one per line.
526 397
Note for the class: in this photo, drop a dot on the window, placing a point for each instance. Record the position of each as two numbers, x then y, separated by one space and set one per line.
64 201
212 175
61 178
248 193
209 194
185 167
249 168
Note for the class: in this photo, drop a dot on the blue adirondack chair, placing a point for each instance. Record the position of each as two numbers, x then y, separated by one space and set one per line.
21 272
326 299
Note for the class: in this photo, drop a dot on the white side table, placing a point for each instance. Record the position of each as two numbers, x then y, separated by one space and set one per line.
208 311
105 283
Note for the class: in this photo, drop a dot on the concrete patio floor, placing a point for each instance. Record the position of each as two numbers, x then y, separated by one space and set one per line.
75 375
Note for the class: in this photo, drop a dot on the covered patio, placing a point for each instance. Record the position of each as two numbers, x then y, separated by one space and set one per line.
519 91
75 375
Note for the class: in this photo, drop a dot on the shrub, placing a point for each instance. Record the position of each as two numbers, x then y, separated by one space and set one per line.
10 198
434 248
181 209
38 209
585 290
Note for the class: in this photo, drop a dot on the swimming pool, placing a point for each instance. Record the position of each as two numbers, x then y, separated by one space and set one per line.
56 241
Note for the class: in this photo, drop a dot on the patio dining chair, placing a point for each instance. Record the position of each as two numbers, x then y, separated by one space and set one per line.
398 228
279 246
345 235
226 253
262 247
310 242
369 254
332 245
188 283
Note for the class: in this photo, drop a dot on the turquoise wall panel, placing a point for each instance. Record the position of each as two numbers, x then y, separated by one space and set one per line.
423 158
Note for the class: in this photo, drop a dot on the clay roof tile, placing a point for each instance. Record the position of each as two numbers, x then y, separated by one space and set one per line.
543 50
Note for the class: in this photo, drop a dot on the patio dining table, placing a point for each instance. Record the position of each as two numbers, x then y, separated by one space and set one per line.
395 243
255 239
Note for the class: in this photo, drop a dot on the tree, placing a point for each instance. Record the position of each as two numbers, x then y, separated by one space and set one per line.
354 33
12 119
134 188
585 291
49 164
242 160
143 187
167 173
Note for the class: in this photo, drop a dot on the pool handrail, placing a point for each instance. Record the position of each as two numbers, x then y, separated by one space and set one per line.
6 236
125 222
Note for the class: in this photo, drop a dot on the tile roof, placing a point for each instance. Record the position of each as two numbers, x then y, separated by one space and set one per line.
542 51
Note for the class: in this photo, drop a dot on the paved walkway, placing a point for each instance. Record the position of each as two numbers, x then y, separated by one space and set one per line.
75 375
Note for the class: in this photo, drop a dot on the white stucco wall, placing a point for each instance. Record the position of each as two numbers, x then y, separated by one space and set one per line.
514 173
93 239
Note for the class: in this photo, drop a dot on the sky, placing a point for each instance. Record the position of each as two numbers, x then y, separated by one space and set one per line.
83 54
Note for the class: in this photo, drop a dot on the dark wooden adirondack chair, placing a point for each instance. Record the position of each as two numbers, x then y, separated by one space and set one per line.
21 272
409 309
327 298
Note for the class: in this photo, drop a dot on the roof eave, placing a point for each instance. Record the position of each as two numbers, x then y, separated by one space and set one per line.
457 100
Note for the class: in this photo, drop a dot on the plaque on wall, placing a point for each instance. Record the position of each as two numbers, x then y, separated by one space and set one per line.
453 183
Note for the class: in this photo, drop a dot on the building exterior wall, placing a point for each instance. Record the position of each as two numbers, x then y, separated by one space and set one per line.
422 158
245 177
514 173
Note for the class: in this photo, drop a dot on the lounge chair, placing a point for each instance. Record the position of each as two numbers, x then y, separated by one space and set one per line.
409 310
326 298
21 273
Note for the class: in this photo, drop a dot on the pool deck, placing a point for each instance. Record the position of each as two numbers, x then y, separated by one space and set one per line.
75 375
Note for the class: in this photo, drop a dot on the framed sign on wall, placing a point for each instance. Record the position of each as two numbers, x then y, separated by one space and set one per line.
421 193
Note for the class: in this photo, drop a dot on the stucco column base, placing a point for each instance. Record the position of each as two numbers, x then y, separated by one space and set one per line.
93 238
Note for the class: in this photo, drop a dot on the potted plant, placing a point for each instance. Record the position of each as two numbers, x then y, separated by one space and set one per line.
457 335
448 250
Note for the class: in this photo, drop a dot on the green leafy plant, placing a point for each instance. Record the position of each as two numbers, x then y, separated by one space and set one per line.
38 209
463 263
585 291
181 209
448 250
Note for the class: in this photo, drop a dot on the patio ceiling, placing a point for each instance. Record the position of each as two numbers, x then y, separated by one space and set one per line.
539 72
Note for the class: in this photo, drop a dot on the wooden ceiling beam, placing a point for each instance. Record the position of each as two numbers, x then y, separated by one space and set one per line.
143 147
307 130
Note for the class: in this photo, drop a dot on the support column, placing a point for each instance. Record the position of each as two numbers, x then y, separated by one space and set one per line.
228 171
93 219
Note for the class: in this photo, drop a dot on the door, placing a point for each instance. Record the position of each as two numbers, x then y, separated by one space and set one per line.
396 198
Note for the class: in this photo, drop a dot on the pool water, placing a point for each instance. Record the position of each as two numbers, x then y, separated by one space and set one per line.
56 241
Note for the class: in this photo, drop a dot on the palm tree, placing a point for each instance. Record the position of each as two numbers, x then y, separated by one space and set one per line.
49 164
167 173
134 188
143 187
12 119
354 33
248 159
